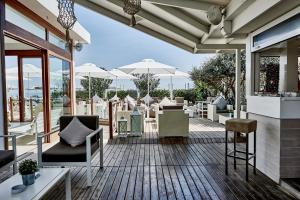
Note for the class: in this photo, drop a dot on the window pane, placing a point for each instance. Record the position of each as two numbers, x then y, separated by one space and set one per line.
57 40
23 22
59 89
277 32
12 89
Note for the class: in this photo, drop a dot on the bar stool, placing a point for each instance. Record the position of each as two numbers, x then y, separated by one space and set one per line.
246 126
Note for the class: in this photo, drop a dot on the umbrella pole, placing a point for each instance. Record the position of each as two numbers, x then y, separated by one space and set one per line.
28 84
148 114
171 87
89 85
116 86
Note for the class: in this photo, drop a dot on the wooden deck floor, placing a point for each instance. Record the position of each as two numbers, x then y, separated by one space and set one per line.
148 168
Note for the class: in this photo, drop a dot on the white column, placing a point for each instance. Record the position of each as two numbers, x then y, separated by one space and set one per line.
238 82
288 72
74 89
249 69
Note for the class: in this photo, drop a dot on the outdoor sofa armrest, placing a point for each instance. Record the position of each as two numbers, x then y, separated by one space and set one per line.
98 131
40 145
14 142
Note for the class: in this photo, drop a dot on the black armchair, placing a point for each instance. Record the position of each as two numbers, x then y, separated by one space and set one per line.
9 157
62 154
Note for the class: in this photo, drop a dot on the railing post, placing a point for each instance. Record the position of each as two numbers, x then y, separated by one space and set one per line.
92 106
11 109
110 119
31 109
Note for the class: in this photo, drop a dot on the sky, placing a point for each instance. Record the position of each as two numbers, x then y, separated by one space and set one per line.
114 44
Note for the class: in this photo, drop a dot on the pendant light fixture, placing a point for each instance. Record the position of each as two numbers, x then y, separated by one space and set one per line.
66 16
131 7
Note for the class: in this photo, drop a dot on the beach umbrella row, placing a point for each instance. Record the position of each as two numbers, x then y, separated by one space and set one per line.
148 66
177 74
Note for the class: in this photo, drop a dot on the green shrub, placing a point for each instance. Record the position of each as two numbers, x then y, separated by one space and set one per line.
189 95
160 93
82 94
28 167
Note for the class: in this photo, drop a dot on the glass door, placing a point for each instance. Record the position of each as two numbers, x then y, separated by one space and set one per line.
60 89
12 88
25 100
32 90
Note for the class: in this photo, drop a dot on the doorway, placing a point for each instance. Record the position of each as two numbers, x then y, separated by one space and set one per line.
24 92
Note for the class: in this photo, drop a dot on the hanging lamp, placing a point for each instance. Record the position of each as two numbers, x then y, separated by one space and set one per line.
66 16
131 7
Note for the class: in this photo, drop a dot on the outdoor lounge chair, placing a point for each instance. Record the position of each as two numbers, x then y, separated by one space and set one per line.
62 154
173 122
8 157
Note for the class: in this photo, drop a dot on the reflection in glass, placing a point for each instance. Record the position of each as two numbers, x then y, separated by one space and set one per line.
24 22
25 104
57 41
60 97
12 89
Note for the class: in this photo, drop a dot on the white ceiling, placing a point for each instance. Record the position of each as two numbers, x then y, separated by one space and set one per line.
185 25
49 12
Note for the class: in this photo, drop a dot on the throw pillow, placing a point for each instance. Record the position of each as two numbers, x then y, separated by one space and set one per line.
75 133
220 102
97 99
165 102
131 104
147 98
129 98
115 98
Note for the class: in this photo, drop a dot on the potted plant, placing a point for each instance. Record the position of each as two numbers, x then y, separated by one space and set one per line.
27 169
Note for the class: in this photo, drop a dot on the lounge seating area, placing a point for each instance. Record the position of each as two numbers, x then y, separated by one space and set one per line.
164 112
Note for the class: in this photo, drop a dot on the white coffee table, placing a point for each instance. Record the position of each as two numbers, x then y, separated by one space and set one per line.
49 177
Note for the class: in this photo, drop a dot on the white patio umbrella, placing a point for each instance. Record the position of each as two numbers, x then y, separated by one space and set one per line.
178 74
120 75
148 66
91 70
31 71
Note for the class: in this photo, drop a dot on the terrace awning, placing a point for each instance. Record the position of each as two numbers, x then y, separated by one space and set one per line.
185 23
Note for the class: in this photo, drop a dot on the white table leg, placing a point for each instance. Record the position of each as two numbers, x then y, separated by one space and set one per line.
68 186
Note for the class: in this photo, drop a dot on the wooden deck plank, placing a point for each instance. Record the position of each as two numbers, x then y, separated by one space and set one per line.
172 168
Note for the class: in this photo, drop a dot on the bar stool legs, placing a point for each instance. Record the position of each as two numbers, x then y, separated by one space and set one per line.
226 152
248 155
254 152
234 149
